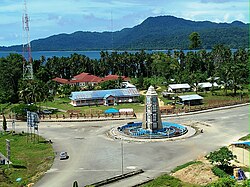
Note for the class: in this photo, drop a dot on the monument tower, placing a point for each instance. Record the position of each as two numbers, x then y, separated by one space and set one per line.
152 115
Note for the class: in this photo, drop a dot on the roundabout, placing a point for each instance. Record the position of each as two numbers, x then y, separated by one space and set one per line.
152 128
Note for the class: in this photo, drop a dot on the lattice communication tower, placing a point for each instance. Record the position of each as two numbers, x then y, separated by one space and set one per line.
27 58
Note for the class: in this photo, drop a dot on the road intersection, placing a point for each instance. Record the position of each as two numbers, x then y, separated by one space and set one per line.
94 156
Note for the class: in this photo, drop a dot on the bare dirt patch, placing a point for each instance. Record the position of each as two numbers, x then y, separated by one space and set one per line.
199 173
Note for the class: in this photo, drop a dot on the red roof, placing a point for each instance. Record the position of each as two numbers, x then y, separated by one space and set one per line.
81 76
115 77
61 80
85 77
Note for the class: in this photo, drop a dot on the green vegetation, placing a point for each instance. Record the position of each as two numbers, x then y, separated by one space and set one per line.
157 69
162 32
167 181
228 182
247 137
221 157
185 165
29 159
195 40
63 104
4 123
219 172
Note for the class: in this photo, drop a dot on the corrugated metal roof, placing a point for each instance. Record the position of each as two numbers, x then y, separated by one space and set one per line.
190 97
206 85
179 86
100 94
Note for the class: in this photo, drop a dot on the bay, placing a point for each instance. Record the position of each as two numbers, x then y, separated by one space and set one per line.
91 54
48 54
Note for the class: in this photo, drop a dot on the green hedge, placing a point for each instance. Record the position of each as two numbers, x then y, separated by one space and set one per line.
219 172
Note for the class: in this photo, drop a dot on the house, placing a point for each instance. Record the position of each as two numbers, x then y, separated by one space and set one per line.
104 97
178 87
194 99
61 80
84 79
206 86
115 77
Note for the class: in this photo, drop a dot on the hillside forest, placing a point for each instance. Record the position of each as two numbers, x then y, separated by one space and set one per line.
144 69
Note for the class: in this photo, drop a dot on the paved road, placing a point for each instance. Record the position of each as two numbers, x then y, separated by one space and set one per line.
94 157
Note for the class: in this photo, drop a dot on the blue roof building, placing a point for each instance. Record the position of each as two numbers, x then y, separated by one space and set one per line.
104 97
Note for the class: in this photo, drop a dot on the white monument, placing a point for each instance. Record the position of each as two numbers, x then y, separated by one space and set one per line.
152 115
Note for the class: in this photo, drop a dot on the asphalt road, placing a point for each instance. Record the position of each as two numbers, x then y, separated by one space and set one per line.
94 156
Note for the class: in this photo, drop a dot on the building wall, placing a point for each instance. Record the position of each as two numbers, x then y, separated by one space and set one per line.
241 154
101 101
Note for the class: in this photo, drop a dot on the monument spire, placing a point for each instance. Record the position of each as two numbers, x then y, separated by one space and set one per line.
152 115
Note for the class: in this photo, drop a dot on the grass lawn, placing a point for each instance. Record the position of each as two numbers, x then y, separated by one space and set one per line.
185 165
63 103
168 181
247 137
29 159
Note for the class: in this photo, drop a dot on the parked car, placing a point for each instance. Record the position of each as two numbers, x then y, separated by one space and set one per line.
64 155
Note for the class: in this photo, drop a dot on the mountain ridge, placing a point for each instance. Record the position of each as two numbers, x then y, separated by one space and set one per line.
161 32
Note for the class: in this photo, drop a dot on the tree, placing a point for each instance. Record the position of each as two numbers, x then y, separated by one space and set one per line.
4 123
222 157
195 40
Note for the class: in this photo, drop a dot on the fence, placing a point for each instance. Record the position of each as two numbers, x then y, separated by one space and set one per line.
74 116
184 109
210 105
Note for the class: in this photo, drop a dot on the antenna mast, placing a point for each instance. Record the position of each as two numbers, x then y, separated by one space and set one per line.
27 58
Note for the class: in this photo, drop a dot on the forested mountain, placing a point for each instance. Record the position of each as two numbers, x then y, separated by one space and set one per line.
162 32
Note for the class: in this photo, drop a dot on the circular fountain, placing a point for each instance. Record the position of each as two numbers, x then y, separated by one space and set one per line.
152 126
169 130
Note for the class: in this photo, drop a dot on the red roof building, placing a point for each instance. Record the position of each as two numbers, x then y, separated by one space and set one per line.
84 79
115 77
61 81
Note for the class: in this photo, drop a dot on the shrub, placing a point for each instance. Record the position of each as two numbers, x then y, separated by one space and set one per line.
21 110
223 182
219 172
4 123
141 99
222 157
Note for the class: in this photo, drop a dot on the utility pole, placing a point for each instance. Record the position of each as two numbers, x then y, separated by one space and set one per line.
122 153
27 58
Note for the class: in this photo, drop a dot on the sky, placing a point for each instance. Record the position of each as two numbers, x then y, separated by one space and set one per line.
67 16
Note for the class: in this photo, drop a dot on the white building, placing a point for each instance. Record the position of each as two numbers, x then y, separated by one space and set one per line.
178 87
205 86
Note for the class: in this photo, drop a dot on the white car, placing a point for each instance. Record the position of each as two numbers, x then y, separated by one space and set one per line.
64 155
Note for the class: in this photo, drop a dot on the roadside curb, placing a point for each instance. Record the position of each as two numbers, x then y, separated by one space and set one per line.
116 178
205 111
